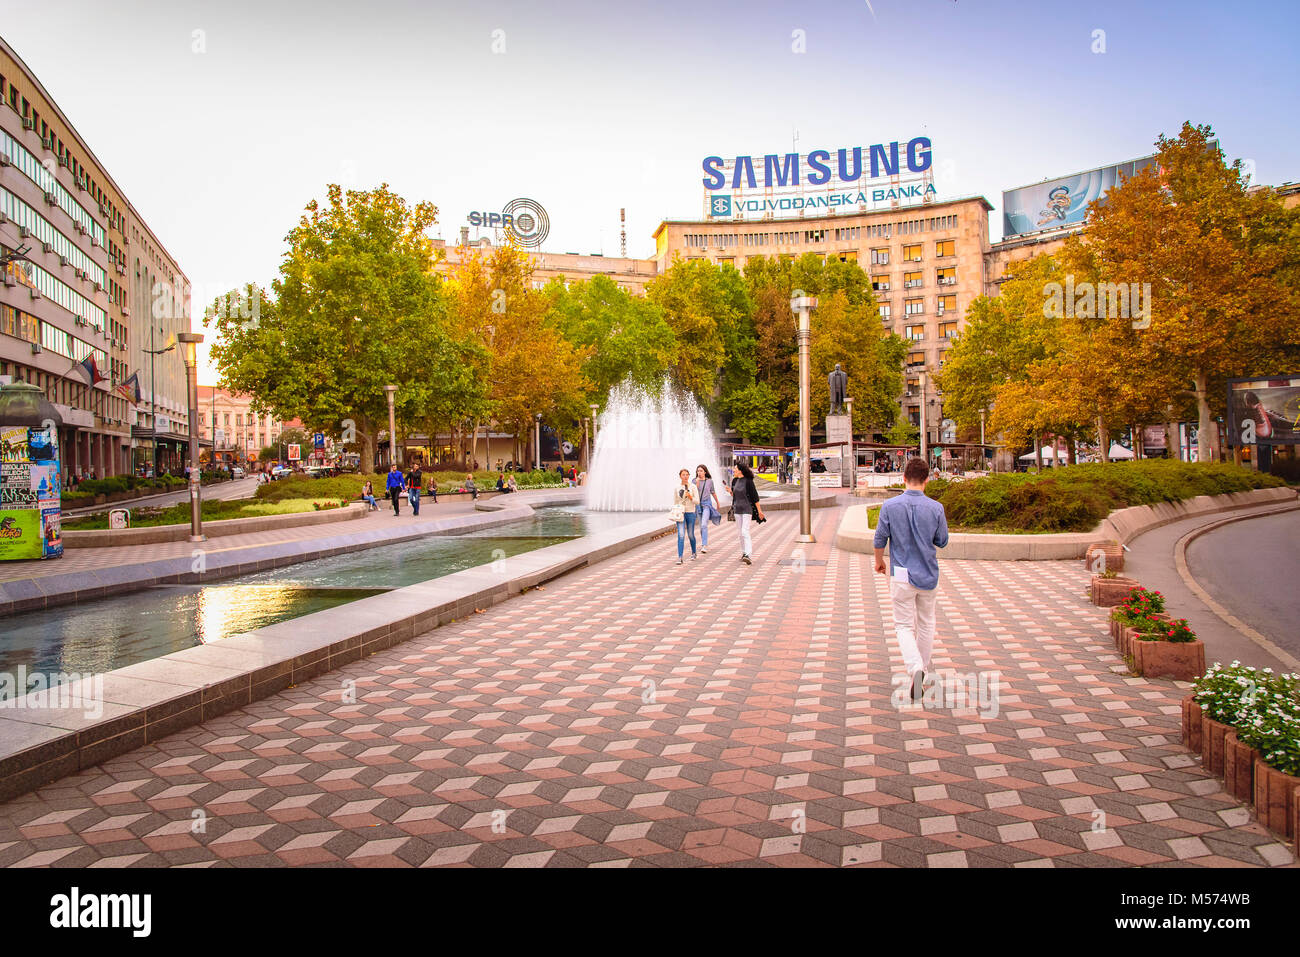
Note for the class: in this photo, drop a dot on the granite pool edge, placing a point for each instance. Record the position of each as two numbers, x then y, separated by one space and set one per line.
144 702
67 588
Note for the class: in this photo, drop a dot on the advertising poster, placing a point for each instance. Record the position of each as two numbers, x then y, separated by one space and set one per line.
1061 202
29 494
295 453
20 533
1264 411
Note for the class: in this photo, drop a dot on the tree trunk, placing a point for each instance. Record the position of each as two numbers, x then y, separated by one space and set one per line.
1207 447
1038 452
473 447
1103 440
1073 448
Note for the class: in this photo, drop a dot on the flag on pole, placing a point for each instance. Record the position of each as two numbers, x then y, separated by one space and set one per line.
129 388
90 370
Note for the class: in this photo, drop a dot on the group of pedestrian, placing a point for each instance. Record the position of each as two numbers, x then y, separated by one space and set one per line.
696 505
398 486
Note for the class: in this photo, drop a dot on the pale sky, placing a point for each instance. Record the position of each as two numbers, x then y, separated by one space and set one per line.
220 137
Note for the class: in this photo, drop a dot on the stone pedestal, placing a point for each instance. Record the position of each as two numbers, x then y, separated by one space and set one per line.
839 428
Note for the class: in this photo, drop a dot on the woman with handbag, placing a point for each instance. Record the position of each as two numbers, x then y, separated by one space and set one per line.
710 511
685 502
745 507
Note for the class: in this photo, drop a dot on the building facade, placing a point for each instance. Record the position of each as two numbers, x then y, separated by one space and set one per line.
228 426
85 278
926 263
629 274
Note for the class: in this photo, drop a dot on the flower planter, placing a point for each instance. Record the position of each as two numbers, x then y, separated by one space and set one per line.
1238 767
1212 735
1180 660
1128 637
1275 799
1114 557
1191 724
1108 592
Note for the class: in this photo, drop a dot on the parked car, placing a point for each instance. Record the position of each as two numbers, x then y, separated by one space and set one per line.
237 472
281 471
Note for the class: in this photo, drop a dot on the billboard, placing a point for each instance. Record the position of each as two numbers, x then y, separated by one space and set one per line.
1061 202
1264 411
30 525
820 182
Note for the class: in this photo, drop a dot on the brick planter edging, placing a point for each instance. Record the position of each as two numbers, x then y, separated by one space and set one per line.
1274 795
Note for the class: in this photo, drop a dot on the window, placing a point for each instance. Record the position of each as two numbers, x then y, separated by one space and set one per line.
947 304
880 283
913 387
915 333
946 276
226 420
851 256
239 420
946 247
880 257
915 359
948 330
914 307
912 280
914 414
885 311
912 254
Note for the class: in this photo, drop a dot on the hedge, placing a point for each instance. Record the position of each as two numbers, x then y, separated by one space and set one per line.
1075 498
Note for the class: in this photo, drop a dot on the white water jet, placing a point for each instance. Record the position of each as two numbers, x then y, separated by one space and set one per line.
642 441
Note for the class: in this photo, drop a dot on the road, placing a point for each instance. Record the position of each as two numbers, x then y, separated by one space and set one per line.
1252 568
242 488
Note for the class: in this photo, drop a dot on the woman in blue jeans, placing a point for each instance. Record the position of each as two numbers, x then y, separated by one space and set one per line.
685 502
710 511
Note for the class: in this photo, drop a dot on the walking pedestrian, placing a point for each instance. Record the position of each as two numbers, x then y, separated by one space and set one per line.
686 501
414 486
710 510
745 508
395 482
913 526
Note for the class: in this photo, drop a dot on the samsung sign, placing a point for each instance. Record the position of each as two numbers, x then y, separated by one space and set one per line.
849 165
793 173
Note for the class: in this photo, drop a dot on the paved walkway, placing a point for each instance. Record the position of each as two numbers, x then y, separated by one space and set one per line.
638 713
83 559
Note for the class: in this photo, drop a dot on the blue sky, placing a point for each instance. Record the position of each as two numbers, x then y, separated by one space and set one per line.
594 106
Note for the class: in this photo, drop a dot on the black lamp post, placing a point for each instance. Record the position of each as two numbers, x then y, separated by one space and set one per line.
153 394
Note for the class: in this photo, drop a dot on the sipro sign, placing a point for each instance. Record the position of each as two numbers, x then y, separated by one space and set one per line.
818 168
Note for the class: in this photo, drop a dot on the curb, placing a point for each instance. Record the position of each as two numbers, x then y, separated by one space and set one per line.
1229 619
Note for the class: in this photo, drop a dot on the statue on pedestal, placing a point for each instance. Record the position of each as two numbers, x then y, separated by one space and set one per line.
839 385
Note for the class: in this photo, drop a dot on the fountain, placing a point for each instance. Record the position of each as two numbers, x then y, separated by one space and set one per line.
644 438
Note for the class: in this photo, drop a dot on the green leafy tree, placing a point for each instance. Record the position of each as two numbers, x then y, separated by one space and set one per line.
755 412
356 306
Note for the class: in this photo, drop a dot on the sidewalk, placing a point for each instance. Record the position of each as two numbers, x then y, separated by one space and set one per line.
639 713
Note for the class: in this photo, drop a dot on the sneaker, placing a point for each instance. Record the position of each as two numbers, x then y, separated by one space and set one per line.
918 682
746 559
704 551
679 561
693 556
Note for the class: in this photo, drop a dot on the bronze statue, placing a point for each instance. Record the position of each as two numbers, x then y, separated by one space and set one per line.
839 384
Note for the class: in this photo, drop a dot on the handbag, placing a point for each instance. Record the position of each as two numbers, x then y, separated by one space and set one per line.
753 513
677 513
731 514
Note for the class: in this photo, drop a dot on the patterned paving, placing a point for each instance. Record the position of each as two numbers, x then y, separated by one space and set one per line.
638 713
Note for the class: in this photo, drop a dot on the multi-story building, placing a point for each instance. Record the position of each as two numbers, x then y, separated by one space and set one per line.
84 277
629 274
236 434
926 263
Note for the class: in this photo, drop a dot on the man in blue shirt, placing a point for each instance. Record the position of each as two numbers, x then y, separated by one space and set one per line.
396 482
912 525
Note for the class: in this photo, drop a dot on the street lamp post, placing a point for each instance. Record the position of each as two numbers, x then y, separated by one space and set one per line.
853 455
802 305
924 434
191 340
153 394
537 440
392 425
